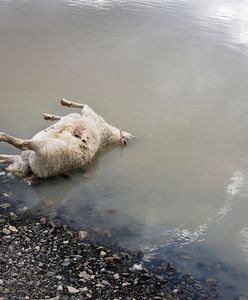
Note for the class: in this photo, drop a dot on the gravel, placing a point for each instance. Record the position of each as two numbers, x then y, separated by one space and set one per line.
36 263
43 258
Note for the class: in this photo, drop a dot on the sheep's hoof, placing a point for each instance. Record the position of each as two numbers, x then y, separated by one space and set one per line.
65 102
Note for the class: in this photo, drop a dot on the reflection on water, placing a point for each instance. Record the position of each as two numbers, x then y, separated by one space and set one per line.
200 233
243 241
171 72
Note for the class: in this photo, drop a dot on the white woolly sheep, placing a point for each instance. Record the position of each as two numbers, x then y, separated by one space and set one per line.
71 143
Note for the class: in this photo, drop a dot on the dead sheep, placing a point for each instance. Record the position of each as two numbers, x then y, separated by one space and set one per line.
71 143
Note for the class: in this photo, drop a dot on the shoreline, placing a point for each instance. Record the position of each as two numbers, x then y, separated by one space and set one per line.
43 258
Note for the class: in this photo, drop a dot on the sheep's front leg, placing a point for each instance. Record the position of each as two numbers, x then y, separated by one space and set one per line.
18 143
68 103
51 117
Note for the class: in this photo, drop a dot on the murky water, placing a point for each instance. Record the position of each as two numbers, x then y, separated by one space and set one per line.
174 73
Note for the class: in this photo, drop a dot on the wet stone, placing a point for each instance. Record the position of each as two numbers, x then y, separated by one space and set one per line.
211 281
116 276
13 229
82 235
105 282
198 286
46 258
126 284
50 274
66 262
6 231
102 253
84 275
13 216
4 205
72 290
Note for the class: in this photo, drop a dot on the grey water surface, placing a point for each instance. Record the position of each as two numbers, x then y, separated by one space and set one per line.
173 73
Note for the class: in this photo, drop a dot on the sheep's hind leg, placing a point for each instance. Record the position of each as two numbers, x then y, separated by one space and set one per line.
18 143
8 159
51 117
68 103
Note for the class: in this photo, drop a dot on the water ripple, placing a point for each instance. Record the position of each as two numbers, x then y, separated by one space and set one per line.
107 4
243 241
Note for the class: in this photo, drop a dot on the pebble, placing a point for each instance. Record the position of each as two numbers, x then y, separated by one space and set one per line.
50 274
159 278
22 209
13 216
84 275
105 282
6 231
125 284
211 281
72 290
82 234
116 276
102 253
95 272
82 281
43 221
5 205
198 286
66 262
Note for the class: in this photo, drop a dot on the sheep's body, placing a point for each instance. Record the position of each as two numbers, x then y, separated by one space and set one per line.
69 144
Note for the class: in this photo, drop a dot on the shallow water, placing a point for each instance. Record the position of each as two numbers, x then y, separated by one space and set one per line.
174 73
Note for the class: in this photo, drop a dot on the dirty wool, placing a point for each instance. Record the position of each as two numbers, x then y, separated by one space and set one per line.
71 143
